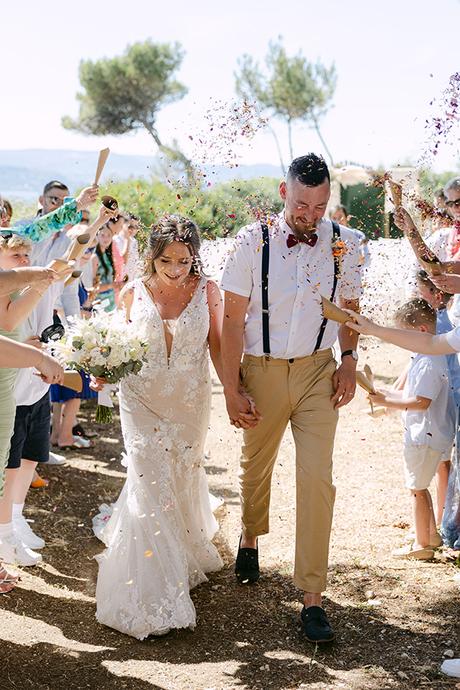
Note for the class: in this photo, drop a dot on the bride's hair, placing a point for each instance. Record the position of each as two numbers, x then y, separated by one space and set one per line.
171 229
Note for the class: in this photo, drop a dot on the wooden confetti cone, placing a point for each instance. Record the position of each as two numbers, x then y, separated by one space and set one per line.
110 202
72 379
395 192
58 265
77 247
73 276
364 382
377 412
333 312
370 377
433 267
103 155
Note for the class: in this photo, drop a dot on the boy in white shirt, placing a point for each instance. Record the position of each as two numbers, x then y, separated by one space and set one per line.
429 425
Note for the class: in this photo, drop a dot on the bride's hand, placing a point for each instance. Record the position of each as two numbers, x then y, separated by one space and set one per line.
241 410
97 383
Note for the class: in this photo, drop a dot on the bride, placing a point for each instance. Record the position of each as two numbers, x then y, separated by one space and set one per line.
158 537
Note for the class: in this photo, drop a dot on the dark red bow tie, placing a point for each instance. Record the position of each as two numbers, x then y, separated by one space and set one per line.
311 240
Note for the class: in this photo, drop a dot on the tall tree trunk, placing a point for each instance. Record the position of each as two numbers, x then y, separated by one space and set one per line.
320 136
154 134
175 154
278 147
289 124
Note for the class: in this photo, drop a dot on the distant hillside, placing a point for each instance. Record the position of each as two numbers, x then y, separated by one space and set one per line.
24 172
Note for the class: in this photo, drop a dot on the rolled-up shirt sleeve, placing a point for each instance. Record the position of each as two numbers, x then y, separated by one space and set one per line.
44 226
237 276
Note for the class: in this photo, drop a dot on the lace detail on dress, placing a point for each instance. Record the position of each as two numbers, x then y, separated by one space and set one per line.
158 537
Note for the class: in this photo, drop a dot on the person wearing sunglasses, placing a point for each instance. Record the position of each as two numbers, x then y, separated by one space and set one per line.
445 243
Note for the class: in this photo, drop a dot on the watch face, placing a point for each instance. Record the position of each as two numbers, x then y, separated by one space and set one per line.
52 333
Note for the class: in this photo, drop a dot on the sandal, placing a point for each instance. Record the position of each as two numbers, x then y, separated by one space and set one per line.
39 482
78 430
4 589
420 554
79 443
7 578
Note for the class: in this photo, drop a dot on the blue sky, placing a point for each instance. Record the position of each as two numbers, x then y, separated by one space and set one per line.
392 58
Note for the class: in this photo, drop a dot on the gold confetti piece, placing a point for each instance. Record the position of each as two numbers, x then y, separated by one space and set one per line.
130 582
157 533
148 553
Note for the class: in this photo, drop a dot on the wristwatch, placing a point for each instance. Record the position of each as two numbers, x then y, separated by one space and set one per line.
353 354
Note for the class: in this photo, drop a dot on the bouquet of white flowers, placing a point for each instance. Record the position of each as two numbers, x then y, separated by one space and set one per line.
105 346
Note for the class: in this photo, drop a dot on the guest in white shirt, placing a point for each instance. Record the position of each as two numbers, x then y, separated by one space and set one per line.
429 425
273 282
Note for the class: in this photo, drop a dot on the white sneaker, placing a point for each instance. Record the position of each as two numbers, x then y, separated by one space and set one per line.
25 533
15 552
451 667
55 459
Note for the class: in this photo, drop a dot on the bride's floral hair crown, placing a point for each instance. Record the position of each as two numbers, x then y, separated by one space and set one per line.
171 229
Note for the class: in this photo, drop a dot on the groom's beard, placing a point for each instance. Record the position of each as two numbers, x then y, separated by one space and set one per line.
305 227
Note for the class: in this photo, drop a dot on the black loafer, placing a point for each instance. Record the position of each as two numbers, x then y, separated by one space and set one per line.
315 624
247 565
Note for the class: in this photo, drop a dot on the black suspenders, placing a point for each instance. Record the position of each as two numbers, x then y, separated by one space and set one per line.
322 328
265 267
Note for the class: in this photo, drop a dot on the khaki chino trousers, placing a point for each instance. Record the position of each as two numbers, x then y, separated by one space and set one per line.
297 391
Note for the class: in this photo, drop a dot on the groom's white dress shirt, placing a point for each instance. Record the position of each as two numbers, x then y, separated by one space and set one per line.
297 278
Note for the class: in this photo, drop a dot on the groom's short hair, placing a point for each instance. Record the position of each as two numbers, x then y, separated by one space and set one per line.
310 170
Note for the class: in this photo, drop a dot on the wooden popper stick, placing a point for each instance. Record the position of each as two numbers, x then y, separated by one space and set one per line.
73 276
58 265
103 155
333 313
364 382
425 256
377 411
395 192
77 247
73 380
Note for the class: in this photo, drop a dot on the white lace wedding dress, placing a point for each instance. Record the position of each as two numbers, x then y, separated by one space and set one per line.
158 537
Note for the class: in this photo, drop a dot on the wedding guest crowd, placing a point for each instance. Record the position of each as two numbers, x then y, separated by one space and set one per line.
30 425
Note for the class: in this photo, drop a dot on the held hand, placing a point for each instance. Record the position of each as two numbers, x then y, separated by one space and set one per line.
344 383
447 282
104 214
50 369
361 324
34 341
404 221
87 197
254 409
240 411
378 398
38 277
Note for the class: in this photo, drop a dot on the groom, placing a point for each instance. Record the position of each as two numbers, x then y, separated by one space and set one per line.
272 282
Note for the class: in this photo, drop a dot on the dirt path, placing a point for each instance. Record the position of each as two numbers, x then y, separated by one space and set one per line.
394 620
